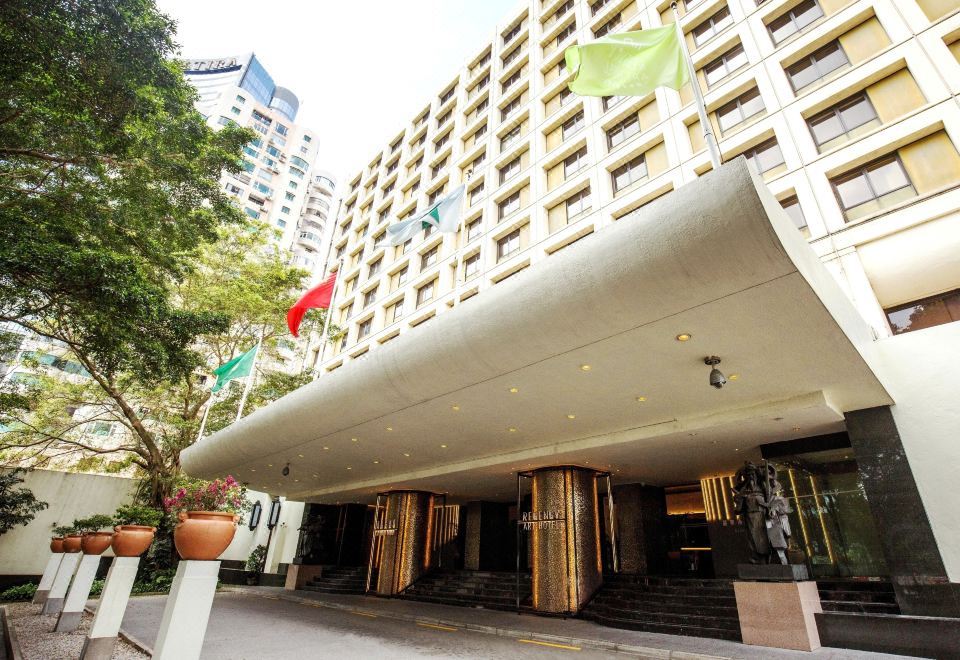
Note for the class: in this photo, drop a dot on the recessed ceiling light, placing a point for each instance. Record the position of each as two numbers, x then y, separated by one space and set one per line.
355 439
316 477
455 407
349 468
733 376
737 449
269 464
326 448
514 390
571 416
796 428
300 455
253 470
585 367
406 454
296 480
376 462
641 399
684 336
512 430
443 446
389 428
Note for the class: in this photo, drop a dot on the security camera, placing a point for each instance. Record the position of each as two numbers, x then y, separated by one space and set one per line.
286 468
717 379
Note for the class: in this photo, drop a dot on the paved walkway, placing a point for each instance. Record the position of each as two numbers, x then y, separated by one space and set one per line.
268 622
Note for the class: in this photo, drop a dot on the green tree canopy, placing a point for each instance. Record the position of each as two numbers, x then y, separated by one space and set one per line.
18 506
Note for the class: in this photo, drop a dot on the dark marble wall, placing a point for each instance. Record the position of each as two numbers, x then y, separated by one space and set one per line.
641 513
910 549
332 534
489 537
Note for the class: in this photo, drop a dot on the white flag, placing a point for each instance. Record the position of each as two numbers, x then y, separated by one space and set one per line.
444 215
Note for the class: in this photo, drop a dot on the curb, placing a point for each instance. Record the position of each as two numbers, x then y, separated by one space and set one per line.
10 643
593 644
127 637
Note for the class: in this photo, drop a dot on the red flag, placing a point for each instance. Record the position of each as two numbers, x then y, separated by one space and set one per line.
317 297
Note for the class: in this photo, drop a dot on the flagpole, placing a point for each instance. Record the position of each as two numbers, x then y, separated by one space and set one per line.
203 421
326 321
253 374
708 135
463 244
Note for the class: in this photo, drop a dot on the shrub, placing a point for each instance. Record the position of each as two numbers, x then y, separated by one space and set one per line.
64 530
97 587
134 514
255 560
22 592
93 523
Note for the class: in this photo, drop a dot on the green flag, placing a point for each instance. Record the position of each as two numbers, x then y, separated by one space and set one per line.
238 367
628 64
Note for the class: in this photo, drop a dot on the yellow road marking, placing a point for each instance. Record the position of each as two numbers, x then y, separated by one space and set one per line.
550 644
372 616
438 627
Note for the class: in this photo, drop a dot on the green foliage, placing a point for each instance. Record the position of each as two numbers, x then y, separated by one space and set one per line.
18 506
135 514
96 588
93 523
21 592
157 582
255 560
64 530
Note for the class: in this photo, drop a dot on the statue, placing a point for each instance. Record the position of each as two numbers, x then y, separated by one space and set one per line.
310 542
758 499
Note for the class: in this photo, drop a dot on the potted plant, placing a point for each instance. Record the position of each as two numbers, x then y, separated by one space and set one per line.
94 541
71 537
255 564
56 541
134 529
207 513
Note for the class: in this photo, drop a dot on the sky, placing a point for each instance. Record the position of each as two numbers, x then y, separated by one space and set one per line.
361 68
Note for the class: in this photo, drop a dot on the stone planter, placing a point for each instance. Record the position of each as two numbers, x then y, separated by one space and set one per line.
72 543
95 543
204 535
132 540
56 544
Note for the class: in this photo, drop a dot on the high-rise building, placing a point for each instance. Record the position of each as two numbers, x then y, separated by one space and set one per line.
579 325
280 184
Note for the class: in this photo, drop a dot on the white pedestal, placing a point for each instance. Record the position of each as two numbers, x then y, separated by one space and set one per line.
46 580
58 590
187 611
69 618
779 614
113 603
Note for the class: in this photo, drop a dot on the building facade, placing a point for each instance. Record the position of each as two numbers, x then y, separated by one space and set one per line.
280 183
542 375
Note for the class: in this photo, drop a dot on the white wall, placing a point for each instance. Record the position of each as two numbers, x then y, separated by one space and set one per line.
921 370
283 545
24 550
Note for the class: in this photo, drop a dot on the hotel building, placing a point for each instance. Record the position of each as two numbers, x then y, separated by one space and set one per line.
557 342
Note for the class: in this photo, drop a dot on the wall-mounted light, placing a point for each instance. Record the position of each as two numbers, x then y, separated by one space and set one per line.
274 513
255 515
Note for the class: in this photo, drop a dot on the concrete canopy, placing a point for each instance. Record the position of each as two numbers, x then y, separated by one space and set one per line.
433 409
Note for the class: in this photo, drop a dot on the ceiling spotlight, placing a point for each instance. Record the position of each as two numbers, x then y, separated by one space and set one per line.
684 336
514 390
734 376
512 429
717 379
584 367
641 399
571 416
443 446
456 407
286 470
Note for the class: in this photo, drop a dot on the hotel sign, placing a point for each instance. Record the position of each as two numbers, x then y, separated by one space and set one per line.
542 519
210 66
385 528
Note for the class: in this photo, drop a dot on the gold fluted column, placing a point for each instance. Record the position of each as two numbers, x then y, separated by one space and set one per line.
406 526
565 526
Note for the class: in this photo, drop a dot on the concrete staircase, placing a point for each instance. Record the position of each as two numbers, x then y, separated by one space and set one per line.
858 596
487 589
673 606
339 580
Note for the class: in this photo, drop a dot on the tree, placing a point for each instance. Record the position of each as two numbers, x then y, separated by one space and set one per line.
18 506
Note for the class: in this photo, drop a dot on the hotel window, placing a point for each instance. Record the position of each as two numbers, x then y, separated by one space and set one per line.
508 245
395 311
724 65
506 110
439 144
623 131
839 122
739 110
379 239
289 196
611 101
241 99
438 168
392 167
566 32
399 278
512 32
510 170
712 27
375 267
351 285
447 96
384 214
512 55
442 119
480 108
387 189
405 246
370 296
483 60
629 173
435 195
363 330
476 193
872 187
479 133
509 205
595 7
792 206
575 162
558 14
395 147
510 136
572 125
474 229
926 313
794 21
341 250
429 258
608 27
425 293
578 204
512 80
817 66
765 156
471 266
480 86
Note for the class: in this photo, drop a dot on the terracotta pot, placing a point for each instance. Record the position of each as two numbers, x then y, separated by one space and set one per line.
72 543
204 535
56 544
94 543
132 540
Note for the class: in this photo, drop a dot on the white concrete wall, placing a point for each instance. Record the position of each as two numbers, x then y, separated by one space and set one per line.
921 370
283 545
24 550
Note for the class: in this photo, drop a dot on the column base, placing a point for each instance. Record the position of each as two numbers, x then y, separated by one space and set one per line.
40 596
779 614
52 606
98 648
185 616
67 621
